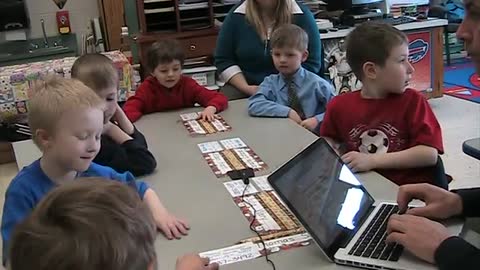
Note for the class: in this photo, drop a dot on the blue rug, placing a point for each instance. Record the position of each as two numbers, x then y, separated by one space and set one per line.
462 81
461 75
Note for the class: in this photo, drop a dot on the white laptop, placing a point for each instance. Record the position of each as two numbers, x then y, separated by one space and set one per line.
344 220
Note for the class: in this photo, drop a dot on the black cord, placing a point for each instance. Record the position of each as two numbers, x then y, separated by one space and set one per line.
252 228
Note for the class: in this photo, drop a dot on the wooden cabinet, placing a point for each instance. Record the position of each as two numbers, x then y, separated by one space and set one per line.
199 46
174 15
190 23
200 43
112 18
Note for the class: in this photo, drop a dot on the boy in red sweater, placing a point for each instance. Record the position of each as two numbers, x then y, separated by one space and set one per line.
167 89
385 126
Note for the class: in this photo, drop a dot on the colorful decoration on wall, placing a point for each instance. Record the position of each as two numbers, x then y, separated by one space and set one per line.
344 81
16 83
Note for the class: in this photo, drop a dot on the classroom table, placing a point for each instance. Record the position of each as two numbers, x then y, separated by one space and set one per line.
472 148
189 188
26 152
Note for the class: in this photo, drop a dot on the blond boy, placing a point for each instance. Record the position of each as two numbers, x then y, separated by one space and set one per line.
66 120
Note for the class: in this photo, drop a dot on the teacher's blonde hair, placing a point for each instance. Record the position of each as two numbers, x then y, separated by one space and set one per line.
283 15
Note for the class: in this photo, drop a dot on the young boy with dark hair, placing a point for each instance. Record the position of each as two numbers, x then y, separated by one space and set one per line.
385 126
294 92
123 147
167 89
94 224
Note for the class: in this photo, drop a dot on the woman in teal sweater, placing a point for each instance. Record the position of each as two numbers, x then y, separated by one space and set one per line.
242 54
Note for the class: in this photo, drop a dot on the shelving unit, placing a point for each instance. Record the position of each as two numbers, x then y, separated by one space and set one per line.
188 21
175 15
191 22
221 9
157 15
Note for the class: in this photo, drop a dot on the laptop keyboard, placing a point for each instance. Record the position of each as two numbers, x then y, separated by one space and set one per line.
371 243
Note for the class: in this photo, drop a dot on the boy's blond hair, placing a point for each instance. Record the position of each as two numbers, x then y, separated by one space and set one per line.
90 223
289 36
96 71
54 96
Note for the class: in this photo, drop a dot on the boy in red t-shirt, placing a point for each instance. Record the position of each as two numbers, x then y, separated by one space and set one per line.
385 126
167 89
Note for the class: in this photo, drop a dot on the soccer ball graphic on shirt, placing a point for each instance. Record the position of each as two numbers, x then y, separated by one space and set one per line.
373 141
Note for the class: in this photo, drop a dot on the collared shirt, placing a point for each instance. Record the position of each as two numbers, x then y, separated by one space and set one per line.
271 99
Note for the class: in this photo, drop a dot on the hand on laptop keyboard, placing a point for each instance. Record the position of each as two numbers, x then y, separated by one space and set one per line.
440 203
372 243
419 235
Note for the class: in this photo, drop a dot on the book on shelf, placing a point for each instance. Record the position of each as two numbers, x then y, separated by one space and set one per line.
192 6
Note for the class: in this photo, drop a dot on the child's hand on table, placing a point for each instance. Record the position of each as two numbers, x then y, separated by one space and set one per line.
208 114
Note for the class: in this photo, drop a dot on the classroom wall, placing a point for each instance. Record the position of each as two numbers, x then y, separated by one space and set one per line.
81 11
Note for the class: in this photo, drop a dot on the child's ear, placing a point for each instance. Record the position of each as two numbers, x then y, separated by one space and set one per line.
369 70
43 138
305 56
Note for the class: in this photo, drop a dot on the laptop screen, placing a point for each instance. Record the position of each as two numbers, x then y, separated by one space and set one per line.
324 195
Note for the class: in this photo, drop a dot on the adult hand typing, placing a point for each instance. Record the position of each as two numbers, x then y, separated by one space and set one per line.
440 203
414 230
418 235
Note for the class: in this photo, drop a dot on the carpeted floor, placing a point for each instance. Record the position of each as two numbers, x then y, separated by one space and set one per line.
461 81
